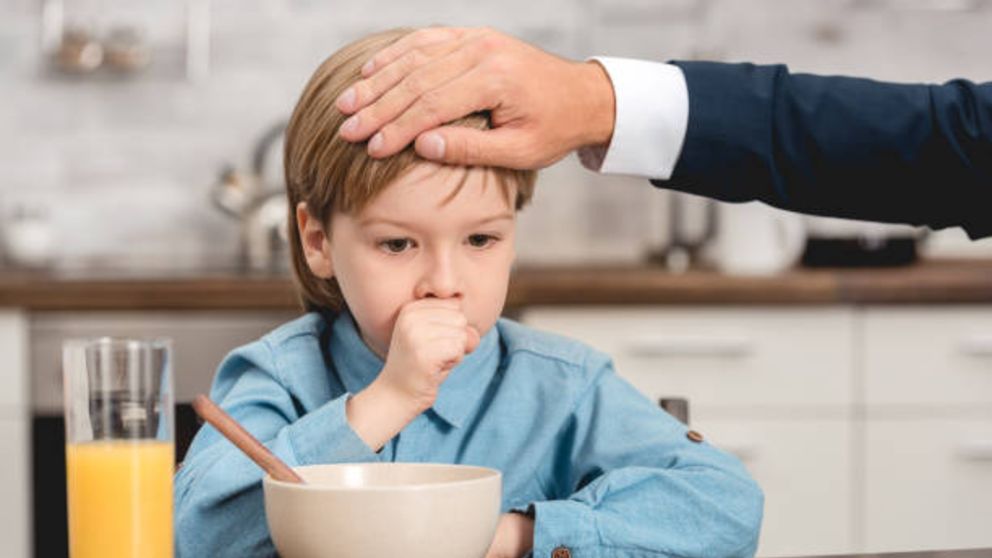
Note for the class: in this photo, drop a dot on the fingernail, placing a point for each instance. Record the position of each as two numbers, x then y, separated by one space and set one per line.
346 101
350 125
433 146
375 144
368 67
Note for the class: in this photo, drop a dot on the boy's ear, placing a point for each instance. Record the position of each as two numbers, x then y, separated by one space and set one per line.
316 247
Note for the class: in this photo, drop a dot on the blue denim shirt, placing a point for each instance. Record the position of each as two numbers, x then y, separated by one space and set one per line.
608 472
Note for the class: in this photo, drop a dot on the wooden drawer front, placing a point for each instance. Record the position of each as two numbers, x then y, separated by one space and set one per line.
928 356
928 484
804 468
720 357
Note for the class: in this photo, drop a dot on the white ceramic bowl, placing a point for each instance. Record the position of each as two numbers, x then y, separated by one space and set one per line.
363 510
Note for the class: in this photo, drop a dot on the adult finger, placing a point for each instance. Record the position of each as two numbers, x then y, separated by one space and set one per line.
426 88
501 147
417 39
446 90
368 90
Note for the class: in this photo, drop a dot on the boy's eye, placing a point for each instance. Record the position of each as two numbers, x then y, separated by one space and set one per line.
481 240
396 245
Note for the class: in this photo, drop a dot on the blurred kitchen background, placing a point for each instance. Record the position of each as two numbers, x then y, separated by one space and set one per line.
848 364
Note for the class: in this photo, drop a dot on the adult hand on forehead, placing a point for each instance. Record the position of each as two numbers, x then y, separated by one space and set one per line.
541 106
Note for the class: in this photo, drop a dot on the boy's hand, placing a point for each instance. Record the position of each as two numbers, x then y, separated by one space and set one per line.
430 337
514 537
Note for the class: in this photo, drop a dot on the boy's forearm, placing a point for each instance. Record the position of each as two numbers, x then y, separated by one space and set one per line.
378 413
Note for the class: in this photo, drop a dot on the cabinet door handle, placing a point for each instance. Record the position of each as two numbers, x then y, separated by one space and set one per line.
975 450
675 346
977 345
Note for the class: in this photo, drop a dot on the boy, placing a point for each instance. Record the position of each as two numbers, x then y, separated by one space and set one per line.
403 266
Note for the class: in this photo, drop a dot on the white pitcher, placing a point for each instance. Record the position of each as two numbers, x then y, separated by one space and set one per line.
755 239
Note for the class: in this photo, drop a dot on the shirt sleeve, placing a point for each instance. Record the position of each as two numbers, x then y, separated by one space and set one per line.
652 112
634 484
219 507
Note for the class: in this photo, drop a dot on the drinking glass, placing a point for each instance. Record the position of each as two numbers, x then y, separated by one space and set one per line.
119 447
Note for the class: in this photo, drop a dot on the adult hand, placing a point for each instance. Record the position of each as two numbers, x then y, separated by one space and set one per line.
541 106
514 537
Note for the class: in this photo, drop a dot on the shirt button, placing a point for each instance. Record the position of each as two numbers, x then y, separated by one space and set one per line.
561 552
694 436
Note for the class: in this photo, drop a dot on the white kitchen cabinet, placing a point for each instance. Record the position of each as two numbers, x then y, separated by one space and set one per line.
721 358
804 469
15 433
928 427
928 483
13 366
15 486
937 357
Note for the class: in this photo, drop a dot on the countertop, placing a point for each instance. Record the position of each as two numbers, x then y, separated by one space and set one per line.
933 282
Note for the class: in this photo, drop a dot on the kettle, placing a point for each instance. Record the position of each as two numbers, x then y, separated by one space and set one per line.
258 202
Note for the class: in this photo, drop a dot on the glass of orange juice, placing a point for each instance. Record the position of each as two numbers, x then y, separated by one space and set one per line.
119 447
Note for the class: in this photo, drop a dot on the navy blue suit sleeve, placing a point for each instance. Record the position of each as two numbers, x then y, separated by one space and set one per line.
839 146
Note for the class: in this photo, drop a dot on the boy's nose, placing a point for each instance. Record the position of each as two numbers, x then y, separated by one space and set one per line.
440 280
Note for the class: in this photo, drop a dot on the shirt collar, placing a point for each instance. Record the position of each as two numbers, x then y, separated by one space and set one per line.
358 366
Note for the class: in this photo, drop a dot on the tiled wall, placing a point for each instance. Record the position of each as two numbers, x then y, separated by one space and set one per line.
123 167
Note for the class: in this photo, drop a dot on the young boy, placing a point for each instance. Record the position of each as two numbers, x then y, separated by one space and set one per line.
403 266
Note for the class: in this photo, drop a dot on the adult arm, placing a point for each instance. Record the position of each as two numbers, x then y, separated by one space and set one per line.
839 146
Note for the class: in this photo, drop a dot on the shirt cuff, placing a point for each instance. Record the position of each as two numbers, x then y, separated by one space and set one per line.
325 436
652 113
564 524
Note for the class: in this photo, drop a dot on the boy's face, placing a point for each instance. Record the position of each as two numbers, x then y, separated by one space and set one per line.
412 242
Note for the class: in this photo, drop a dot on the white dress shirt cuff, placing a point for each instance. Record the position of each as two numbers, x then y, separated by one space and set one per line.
652 113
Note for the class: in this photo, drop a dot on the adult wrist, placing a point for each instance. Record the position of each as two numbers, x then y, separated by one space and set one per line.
598 111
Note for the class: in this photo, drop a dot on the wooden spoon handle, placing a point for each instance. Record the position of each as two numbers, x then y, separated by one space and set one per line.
243 439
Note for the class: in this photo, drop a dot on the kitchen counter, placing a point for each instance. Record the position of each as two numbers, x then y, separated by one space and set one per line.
935 282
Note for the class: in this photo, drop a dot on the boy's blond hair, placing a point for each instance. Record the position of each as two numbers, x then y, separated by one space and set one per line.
331 174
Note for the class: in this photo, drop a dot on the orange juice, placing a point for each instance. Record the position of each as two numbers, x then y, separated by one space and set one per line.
120 498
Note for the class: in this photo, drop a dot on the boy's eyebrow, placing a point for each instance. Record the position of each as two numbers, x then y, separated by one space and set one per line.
373 220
